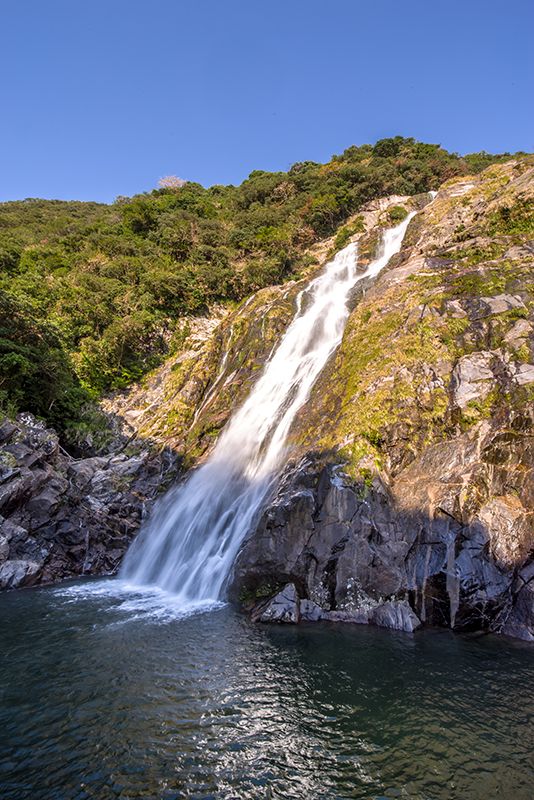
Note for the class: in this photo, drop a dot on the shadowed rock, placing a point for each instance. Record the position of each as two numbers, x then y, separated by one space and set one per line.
61 517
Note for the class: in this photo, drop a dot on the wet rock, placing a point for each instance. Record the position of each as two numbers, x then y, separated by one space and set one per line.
483 590
310 611
519 622
355 617
396 615
283 607
15 573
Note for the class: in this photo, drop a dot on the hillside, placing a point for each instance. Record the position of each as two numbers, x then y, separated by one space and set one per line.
406 497
93 296
410 497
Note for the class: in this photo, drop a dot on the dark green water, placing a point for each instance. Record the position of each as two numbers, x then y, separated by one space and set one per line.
103 697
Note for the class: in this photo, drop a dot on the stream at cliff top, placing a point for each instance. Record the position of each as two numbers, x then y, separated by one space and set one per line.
108 693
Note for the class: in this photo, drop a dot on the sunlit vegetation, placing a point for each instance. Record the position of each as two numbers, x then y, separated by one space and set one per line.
91 293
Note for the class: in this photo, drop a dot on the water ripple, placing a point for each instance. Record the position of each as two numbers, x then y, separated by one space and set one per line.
107 693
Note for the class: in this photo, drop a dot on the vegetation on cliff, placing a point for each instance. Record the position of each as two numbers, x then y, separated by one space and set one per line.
444 339
91 294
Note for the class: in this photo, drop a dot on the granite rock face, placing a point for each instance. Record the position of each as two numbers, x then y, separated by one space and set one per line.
446 543
283 607
410 500
287 607
61 517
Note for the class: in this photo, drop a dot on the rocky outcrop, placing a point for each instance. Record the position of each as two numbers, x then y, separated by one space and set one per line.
288 607
61 517
412 497
449 542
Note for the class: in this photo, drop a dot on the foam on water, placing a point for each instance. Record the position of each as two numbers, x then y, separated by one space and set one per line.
134 602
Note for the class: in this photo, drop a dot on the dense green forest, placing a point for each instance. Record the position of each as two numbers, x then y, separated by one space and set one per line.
90 294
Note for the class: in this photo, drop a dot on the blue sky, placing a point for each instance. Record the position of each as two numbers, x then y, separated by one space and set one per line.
102 98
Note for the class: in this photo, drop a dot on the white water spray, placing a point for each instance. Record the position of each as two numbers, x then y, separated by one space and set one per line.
191 542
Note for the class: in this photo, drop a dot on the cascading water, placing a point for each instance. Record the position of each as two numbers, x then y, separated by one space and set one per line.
191 542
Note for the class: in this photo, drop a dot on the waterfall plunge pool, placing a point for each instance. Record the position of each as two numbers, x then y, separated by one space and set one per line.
111 693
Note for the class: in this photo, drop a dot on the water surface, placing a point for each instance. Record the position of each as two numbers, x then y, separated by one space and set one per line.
106 694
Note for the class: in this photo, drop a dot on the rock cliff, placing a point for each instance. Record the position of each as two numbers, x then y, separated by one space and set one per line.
410 500
60 516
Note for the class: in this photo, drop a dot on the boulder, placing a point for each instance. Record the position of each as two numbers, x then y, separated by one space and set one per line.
524 374
81 472
283 607
454 308
502 303
310 611
43 505
7 431
518 333
18 572
472 378
396 615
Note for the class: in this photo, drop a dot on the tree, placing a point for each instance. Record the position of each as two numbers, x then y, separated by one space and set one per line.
171 182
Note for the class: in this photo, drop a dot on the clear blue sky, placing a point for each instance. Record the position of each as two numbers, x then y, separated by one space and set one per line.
101 98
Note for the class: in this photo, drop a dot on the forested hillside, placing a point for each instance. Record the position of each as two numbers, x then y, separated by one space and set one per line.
90 294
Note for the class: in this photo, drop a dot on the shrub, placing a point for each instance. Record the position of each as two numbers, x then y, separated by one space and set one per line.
396 214
91 293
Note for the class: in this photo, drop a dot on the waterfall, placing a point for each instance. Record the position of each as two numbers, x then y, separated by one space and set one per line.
192 539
